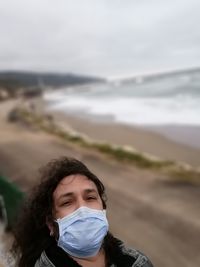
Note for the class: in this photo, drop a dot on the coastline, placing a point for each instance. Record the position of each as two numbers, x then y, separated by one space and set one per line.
150 140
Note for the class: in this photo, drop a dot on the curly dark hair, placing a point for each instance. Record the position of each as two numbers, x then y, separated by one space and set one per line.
31 232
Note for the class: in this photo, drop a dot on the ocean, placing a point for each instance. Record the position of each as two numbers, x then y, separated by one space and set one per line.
165 100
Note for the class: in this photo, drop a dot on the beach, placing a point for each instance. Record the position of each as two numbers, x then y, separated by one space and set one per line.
145 209
177 143
154 141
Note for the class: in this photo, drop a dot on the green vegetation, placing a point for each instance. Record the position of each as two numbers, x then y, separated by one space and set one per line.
122 154
174 170
117 152
12 198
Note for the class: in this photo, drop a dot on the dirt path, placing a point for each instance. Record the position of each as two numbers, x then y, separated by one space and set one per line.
159 218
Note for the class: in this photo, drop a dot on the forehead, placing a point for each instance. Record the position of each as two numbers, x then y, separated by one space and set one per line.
75 183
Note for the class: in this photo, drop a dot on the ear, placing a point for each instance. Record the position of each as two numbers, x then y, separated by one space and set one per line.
51 227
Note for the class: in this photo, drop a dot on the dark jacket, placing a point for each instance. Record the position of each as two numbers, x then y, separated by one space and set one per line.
122 257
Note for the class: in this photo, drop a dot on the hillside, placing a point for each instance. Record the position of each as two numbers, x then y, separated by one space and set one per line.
45 79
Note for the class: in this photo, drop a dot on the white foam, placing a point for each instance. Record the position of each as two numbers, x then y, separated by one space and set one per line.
181 109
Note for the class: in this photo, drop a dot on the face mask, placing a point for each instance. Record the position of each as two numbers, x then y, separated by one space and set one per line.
81 233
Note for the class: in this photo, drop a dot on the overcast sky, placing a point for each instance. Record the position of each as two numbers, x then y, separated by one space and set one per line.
99 37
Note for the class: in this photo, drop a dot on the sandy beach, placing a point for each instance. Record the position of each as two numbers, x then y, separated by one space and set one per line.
158 217
177 143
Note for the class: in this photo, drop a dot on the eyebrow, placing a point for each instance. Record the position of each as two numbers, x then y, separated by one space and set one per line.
70 194
90 191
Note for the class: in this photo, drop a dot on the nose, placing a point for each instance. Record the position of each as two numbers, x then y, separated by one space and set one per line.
81 203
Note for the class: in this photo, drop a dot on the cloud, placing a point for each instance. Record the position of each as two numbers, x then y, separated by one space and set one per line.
99 37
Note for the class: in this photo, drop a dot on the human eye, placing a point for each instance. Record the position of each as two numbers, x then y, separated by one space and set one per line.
66 203
91 197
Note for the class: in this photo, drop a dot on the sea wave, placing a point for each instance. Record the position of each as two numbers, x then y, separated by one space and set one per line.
181 109
157 101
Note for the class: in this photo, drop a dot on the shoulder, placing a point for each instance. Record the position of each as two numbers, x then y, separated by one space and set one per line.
44 261
140 260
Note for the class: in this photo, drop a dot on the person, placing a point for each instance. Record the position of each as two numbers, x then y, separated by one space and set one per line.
64 222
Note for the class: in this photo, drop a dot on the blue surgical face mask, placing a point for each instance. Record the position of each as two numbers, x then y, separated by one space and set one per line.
81 233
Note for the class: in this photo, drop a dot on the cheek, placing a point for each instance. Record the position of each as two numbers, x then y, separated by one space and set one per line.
62 212
97 205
